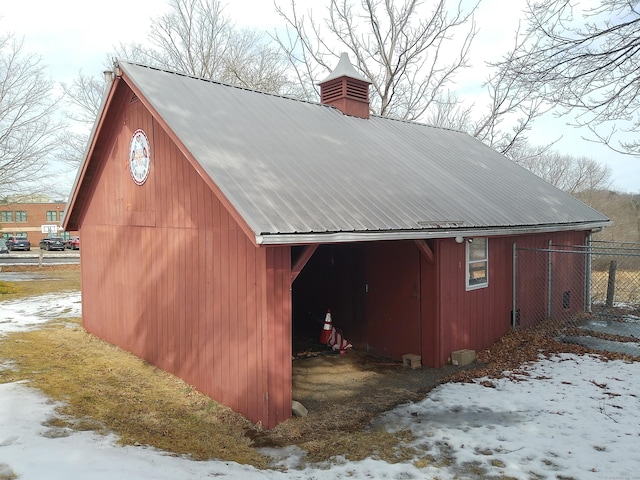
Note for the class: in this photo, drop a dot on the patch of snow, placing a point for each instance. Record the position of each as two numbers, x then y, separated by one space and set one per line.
16 315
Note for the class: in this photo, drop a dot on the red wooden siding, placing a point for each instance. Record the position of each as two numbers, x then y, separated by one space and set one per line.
477 318
393 298
472 319
429 306
169 275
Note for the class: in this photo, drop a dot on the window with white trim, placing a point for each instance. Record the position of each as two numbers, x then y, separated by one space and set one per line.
477 263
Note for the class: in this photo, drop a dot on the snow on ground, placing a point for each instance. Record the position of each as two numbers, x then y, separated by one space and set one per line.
32 312
566 417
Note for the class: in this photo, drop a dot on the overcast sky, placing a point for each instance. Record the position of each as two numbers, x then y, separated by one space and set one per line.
73 36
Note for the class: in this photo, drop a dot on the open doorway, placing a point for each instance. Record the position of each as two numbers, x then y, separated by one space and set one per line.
374 292
332 279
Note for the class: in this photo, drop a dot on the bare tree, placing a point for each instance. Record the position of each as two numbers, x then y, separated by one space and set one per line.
28 129
404 48
447 111
572 174
511 110
585 61
196 37
85 96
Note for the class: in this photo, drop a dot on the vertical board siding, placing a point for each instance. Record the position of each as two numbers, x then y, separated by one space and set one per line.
393 317
169 275
475 319
429 309
278 334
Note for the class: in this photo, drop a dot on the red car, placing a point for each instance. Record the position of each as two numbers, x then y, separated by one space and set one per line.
73 243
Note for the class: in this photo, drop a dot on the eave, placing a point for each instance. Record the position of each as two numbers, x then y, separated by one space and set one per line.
425 234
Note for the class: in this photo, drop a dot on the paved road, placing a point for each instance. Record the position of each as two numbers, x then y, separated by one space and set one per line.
33 257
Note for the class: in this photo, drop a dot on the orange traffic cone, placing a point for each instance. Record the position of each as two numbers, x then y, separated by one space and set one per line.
326 330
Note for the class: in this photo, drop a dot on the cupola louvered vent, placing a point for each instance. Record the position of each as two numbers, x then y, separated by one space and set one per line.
346 90
359 91
343 87
332 91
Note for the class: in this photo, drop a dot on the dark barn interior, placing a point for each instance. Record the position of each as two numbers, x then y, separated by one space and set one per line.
333 278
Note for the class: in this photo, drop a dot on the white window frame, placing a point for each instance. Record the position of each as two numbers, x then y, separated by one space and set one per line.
472 263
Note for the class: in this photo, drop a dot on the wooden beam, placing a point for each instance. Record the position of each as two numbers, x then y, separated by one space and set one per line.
425 249
302 260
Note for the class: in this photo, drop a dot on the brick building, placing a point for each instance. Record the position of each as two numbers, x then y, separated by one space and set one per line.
26 219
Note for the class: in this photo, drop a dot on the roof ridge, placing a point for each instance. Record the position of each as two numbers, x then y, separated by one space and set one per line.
218 82
422 124
278 95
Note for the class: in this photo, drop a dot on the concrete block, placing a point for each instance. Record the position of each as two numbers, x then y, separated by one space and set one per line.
298 409
463 357
411 360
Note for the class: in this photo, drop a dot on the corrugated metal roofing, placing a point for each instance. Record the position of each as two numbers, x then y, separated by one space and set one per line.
293 167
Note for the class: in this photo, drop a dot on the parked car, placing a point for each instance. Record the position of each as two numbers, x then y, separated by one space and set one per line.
73 243
52 243
18 243
3 246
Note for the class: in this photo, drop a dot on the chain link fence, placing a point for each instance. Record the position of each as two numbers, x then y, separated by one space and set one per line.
587 295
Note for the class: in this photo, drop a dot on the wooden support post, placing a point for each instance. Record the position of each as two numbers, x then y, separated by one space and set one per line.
425 249
302 261
611 284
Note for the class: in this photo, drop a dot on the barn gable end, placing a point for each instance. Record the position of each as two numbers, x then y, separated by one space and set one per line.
174 279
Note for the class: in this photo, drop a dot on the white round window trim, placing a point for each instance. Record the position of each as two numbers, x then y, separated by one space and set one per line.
139 157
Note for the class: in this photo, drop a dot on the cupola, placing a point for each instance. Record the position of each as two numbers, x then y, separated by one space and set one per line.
346 89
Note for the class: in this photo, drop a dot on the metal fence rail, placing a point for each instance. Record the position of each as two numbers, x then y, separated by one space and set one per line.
584 294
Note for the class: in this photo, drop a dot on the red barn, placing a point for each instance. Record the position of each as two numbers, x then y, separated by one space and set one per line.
218 223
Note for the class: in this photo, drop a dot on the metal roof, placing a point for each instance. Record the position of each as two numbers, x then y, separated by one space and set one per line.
300 170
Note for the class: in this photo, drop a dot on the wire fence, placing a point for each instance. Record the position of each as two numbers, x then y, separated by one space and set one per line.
583 294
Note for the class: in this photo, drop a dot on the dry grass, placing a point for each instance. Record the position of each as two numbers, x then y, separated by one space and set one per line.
106 389
9 288
56 278
627 286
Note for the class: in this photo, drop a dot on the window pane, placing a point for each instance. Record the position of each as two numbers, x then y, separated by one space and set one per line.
21 216
52 216
478 249
477 263
477 273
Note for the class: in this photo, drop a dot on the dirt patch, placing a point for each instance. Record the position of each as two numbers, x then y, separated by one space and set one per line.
374 384
43 268
343 393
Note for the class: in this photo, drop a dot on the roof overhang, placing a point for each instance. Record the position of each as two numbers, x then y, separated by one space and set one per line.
372 236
